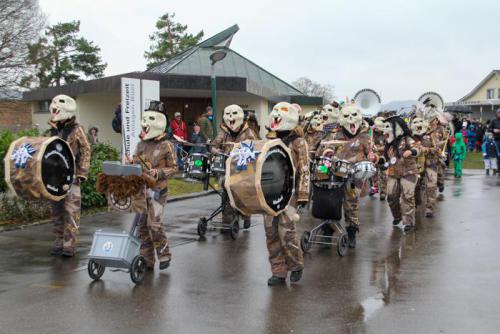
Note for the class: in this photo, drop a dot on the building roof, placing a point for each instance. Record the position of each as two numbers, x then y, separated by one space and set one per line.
472 92
196 61
10 94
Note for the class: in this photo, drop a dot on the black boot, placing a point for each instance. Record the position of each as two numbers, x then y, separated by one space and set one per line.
295 276
275 280
396 222
351 234
164 264
382 197
440 187
487 172
247 223
409 228
56 251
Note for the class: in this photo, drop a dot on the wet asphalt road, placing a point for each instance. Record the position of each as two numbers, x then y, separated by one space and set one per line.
444 278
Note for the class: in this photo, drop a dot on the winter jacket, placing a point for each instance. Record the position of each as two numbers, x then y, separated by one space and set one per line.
197 139
206 130
489 149
495 124
179 129
459 150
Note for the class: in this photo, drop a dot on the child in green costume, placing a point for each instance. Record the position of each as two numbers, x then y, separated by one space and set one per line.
458 152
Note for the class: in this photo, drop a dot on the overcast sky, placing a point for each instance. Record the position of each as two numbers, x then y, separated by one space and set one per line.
401 49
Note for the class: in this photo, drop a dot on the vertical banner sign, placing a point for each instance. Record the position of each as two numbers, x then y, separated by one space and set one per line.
150 90
131 115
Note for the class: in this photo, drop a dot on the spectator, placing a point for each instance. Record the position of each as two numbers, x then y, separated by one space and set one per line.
490 154
481 131
471 136
253 124
198 140
205 123
116 123
495 129
179 129
92 136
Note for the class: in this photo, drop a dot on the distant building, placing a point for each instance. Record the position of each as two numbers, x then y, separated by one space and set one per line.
484 99
15 114
184 87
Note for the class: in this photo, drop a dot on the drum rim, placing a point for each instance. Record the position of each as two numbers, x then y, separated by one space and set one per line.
258 171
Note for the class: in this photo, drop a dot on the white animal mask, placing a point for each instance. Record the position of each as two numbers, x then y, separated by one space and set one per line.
233 117
153 125
330 114
317 123
351 119
62 108
284 117
379 123
419 126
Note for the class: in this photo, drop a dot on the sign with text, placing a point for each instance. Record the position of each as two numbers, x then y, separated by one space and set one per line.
131 115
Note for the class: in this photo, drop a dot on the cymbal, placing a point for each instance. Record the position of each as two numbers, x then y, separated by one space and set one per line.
334 142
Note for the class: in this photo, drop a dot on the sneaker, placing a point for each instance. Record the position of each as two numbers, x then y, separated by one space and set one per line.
275 280
487 172
373 191
295 276
429 213
164 264
382 197
409 228
56 251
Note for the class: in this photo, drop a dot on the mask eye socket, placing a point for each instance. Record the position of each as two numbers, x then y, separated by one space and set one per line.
151 118
355 114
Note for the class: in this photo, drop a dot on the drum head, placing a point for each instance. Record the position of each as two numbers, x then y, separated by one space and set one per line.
58 168
277 178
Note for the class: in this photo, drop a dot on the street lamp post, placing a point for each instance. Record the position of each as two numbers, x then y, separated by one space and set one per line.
215 57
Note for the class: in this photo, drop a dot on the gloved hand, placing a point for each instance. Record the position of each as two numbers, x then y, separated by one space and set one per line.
301 207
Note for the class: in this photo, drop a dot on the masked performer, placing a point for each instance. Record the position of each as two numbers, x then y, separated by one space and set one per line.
314 130
357 147
234 130
440 136
400 159
281 234
66 213
158 159
331 113
380 181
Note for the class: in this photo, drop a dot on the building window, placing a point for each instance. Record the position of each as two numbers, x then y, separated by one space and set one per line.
43 106
490 94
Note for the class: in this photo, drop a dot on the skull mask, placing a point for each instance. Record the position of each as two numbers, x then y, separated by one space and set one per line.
317 123
394 127
62 108
284 117
153 124
379 123
351 119
233 117
419 126
330 114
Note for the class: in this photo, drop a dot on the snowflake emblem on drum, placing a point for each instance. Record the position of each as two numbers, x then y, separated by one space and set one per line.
22 154
244 154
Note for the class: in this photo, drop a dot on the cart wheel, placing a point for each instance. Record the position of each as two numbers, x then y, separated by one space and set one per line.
235 229
304 241
95 270
342 244
247 222
202 227
138 269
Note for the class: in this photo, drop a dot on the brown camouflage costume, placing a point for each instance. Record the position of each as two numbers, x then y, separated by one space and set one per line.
281 234
227 136
355 150
381 180
66 213
157 154
401 181
441 138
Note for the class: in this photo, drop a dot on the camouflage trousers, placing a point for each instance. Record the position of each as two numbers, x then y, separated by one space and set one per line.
440 169
401 197
152 233
427 184
66 218
382 182
282 242
350 206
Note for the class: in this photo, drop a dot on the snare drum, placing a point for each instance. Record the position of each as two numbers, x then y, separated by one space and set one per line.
322 169
364 170
341 168
197 166
218 163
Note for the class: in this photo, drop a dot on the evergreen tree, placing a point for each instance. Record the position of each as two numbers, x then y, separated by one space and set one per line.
62 57
170 40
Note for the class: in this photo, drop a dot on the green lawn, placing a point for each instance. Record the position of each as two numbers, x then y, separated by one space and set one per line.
177 187
473 160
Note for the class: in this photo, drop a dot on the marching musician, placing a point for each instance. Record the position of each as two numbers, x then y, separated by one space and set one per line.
356 146
283 245
233 130
158 159
66 213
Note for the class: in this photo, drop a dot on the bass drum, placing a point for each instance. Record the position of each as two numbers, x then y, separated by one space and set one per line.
260 177
39 167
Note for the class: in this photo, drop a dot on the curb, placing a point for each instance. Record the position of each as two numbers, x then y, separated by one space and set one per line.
15 227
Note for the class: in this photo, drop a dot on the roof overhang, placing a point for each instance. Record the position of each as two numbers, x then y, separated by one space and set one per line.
473 91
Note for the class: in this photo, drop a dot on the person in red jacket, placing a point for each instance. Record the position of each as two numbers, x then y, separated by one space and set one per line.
179 130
